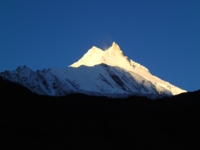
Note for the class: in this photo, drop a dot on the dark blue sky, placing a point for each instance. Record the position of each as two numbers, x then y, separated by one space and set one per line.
163 35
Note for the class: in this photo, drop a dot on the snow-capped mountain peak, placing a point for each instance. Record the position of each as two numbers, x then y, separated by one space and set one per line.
115 50
106 73
113 56
91 58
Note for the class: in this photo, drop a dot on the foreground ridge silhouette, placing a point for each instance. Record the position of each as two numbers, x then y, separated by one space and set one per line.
78 121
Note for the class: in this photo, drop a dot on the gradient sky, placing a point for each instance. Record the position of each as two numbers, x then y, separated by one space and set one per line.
163 35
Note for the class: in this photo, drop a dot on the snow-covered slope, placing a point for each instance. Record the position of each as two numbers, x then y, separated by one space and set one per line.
107 73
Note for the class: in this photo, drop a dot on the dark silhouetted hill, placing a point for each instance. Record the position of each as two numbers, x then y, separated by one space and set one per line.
77 121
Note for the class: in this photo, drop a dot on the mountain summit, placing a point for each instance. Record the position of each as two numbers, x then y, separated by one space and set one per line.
113 56
96 56
101 73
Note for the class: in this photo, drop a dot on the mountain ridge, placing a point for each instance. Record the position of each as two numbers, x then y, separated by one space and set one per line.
106 73
80 121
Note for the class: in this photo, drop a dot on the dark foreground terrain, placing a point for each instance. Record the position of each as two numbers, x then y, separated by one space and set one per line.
30 121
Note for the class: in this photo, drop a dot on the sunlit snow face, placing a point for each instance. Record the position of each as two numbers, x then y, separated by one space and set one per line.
113 56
